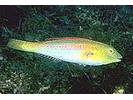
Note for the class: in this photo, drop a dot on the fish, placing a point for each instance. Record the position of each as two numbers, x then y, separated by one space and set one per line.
77 50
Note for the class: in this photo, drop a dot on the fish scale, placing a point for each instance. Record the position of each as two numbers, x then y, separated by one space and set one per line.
71 49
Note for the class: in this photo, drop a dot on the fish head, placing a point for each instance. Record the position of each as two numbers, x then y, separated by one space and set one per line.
102 55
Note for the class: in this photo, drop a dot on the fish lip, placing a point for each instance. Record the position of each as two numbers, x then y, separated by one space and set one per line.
119 59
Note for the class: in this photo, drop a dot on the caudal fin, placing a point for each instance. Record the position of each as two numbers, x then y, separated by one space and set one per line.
21 45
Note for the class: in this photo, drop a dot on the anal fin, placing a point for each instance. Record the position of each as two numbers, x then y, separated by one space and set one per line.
49 57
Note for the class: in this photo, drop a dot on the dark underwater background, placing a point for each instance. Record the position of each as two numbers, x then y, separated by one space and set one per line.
26 73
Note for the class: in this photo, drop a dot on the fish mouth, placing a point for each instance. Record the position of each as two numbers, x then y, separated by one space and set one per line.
119 58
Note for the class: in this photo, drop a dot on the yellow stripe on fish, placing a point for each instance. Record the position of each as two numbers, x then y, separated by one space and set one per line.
71 49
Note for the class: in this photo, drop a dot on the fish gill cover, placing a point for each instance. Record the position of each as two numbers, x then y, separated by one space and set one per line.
24 72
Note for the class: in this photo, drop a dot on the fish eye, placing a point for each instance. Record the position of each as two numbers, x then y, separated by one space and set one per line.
111 50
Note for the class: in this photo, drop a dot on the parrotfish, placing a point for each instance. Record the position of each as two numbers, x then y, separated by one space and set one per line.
71 49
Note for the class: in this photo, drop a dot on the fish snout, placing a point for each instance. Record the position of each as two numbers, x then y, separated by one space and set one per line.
119 57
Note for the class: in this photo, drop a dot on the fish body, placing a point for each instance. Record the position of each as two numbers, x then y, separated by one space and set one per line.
71 49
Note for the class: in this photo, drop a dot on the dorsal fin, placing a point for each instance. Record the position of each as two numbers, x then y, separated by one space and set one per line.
62 38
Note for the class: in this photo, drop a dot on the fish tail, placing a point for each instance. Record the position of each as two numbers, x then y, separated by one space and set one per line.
22 45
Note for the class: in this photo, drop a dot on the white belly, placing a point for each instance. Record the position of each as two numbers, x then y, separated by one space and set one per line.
65 55
68 56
